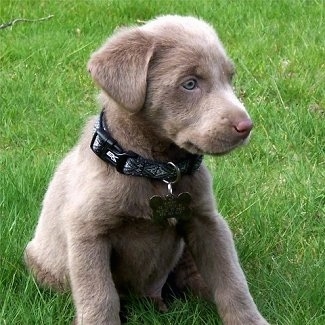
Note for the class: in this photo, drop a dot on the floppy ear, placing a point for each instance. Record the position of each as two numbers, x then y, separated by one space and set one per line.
120 67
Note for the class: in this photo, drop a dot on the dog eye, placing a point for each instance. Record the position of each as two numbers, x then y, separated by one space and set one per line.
190 84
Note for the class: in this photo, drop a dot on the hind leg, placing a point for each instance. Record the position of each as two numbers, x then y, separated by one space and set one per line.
186 277
47 263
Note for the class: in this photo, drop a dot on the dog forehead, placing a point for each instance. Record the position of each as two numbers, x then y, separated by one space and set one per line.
183 27
191 45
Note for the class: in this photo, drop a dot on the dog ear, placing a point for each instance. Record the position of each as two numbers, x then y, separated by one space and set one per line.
120 67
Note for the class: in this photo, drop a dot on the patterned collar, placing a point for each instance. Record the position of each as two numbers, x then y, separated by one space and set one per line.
130 163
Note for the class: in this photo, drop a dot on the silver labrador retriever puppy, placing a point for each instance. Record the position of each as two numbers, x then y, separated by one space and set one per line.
121 215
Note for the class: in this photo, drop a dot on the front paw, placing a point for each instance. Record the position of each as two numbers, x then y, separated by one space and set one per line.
244 319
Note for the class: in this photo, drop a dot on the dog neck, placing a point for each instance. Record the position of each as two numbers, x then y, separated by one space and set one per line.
134 133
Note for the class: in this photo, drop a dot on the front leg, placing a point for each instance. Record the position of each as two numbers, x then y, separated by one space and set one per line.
210 241
93 290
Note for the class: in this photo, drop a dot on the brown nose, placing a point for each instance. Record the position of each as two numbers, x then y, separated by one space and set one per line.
244 127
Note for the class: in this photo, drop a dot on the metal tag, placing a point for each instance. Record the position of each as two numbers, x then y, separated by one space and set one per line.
171 206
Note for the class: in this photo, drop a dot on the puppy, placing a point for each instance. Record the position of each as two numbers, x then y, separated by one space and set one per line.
122 213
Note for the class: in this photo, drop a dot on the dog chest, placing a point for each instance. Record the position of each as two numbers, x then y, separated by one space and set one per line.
143 254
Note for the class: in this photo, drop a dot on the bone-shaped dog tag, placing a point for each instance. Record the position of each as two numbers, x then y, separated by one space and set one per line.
171 206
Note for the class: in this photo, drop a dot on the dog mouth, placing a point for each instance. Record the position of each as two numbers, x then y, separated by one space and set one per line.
220 150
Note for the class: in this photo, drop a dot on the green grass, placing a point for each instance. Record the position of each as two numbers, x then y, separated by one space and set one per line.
272 192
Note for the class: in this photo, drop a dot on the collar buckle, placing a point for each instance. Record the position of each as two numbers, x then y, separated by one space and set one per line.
109 151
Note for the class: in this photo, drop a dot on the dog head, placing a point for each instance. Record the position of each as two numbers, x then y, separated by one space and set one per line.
175 72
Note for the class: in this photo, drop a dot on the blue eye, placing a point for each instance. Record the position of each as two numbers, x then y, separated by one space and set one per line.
190 84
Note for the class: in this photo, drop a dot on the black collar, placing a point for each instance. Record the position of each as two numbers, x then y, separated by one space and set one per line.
130 163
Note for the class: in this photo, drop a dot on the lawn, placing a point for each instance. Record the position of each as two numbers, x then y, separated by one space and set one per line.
271 192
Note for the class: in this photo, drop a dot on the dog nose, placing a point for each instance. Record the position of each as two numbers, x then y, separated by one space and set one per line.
244 127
